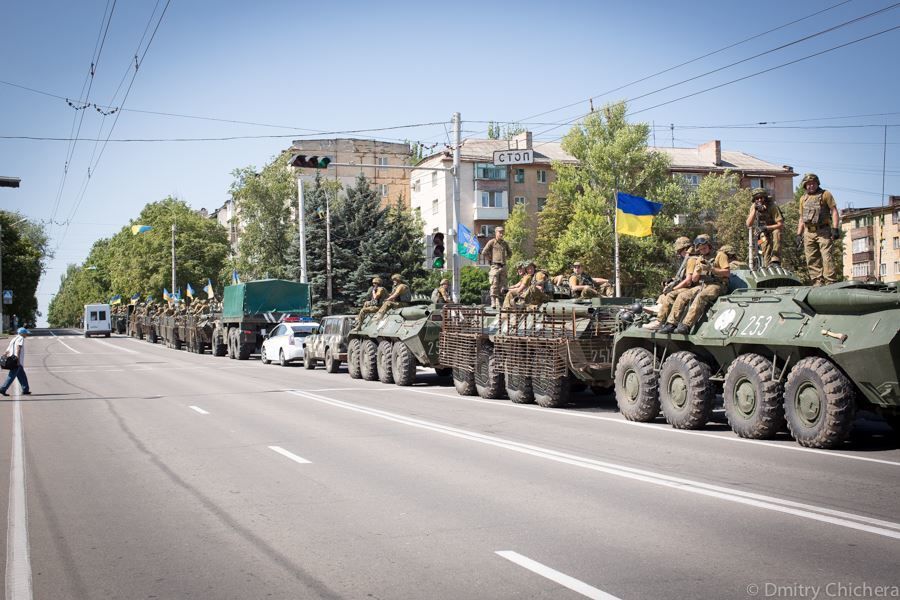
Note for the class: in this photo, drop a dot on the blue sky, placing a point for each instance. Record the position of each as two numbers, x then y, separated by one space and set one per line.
362 65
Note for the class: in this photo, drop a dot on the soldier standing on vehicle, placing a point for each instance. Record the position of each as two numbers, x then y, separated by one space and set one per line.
677 284
766 220
498 252
521 286
819 226
441 294
586 286
712 278
400 296
377 294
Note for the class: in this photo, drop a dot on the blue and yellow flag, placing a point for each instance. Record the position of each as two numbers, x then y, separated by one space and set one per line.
634 215
166 295
135 298
235 278
117 299
208 288
189 290
136 229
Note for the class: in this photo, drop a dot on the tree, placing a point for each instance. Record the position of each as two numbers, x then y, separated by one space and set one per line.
25 252
520 233
263 202
316 197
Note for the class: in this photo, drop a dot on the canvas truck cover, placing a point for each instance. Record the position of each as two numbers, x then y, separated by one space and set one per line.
265 295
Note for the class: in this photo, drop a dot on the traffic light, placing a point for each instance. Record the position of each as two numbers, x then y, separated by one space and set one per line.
437 252
306 161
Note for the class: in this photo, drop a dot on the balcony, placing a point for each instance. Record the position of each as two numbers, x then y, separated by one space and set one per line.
490 213
861 232
867 256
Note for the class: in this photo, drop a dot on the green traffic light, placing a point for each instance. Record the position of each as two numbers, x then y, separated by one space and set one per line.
324 162
438 263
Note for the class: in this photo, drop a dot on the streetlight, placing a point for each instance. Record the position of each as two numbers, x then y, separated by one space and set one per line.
1 267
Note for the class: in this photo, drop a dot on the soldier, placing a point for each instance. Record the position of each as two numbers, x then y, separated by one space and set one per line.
400 296
766 220
441 294
713 282
535 295
683 248
377 294
517 291
498 252
733 262
586 286
819 226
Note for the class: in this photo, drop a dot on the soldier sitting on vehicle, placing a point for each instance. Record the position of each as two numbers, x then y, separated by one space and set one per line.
586 286
441 294
670 293
733 263
515 291
536 294
400 296
712 278
377 294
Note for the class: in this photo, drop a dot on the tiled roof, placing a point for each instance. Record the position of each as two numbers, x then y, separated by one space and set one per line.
691 158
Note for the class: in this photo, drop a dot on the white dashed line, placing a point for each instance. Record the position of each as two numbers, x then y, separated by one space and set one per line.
18 557
58 339
289 455
199 410
553 575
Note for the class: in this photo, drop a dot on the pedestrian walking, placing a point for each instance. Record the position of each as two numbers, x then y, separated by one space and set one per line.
16 348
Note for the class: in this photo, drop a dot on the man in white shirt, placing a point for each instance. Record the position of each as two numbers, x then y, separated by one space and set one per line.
16 348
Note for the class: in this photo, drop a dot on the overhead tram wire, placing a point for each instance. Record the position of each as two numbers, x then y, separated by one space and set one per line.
687 62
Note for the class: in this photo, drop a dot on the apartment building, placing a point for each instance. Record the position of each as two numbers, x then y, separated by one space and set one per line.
872 241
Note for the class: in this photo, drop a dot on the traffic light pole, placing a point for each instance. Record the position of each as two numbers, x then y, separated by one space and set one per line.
454 233
301 228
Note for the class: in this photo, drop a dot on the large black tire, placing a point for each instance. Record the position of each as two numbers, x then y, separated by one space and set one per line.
219 348
353 351
637 386
244 351
686 394
464 382
232 347
177 344
309 363
403 365
263 358
489 380
443 371
576 386
519 389
368 360
384 362
819 403
331 363
551 392
753 401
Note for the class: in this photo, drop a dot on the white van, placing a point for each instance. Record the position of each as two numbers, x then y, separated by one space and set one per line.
97 320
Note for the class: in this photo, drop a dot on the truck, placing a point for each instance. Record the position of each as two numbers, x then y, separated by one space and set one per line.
250 310
783 356
97 320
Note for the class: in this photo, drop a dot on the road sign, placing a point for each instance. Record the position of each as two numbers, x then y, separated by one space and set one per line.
7 296
513 157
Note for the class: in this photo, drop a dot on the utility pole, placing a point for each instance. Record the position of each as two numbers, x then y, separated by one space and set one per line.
881 220
328 250
301 227
616 228
173 257
672 129
454 233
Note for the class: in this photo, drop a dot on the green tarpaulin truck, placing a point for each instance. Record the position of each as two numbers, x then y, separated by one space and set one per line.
250 310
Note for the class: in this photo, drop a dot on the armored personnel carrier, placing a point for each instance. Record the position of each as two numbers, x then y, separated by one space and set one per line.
780 353
390 348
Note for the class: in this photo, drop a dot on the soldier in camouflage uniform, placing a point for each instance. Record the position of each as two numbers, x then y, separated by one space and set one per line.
516 291
819 226
377 294
400 296
498 252
683 249
441 294
766 215
710 281
733 262
586 286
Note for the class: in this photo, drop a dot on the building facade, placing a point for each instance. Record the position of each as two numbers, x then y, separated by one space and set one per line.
872 242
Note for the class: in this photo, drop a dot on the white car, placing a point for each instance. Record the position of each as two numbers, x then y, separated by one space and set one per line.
285 343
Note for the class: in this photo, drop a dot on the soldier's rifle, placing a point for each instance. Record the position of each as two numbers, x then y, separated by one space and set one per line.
673 281
757 230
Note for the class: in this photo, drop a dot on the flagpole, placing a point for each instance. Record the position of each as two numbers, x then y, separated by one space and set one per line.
616 227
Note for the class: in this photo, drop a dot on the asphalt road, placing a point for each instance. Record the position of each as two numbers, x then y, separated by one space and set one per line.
150 473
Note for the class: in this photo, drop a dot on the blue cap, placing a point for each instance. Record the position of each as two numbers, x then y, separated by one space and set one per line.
23 331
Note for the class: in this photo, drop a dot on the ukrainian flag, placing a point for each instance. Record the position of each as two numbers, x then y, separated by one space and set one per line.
135 298
117 299
136 229
209 289
166 295
189 291
634 215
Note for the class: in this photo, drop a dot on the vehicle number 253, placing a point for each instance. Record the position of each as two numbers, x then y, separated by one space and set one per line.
757 325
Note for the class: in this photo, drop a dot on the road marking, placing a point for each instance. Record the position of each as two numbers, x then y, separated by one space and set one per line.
289 455
657 427
807 511
18 559
120 348
562 579
198 409
58 339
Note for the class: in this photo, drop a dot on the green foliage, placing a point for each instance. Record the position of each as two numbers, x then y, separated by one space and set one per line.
263 202
472 282
25 253
495 131
520 233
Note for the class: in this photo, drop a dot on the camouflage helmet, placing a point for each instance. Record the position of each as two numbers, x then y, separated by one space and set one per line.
376 280
760 193
682 243
702 239
445 281
577 263
728 249
809 177
396 277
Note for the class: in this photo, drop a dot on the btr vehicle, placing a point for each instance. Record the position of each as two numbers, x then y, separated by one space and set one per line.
328 343
780 353
391 347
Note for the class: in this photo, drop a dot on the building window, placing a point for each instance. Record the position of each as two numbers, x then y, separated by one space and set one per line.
489 171
492 199
520 201
384 190
883 269
692 180
541 203
434 179
897 267
861 269
897 243
487 230
417 185
865 221
434 206
542 176
381 161
761 182
520 175
896 217
861 245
